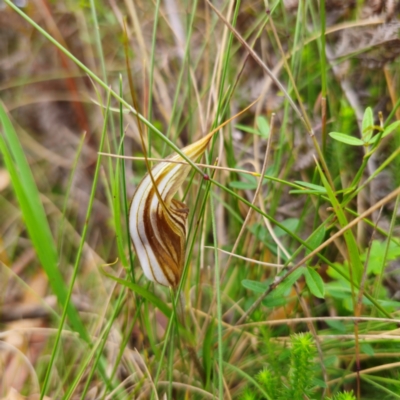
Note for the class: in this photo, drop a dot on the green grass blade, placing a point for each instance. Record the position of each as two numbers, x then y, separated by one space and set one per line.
78 260
34 215
352 247
219 304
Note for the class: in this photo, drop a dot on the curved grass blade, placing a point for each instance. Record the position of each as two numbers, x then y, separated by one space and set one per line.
34 215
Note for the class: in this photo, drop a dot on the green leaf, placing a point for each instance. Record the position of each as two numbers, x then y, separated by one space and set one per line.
336 325
261 233
386 303
304 191
263 126
247 129
347 139
316 239
367 124
331 361
338 290
289 281
290 223
391 128
343 276
248 182
377 254
312 186
243 185
278 296
315 283
366 348
273 300
386 132
255 286
319 383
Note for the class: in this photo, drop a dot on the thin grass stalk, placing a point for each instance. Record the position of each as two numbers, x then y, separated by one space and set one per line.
226 65
100 52
303 111
228 95
249 213
151 72
294 64
116 205
384 388
390 235
126 337
67 193
78 258
123 184
99 47
221 106
256 58
392 113
149 326
182 70
354 262
98 348
357 310
219 303
323 73
170 369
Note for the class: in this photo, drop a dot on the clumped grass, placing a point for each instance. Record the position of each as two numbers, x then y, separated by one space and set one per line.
290 285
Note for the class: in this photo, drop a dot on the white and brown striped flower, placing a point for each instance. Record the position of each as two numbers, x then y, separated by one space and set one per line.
157 221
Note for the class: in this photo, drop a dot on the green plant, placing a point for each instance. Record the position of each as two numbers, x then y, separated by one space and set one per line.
296 382
284 234
343 396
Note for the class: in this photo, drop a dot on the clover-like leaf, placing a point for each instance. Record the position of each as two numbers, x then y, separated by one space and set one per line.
347 139
367 124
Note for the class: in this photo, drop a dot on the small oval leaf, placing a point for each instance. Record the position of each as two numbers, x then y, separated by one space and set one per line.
312 186
255 286
315 283
367 124
315 239
391 128
347 139
263 126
